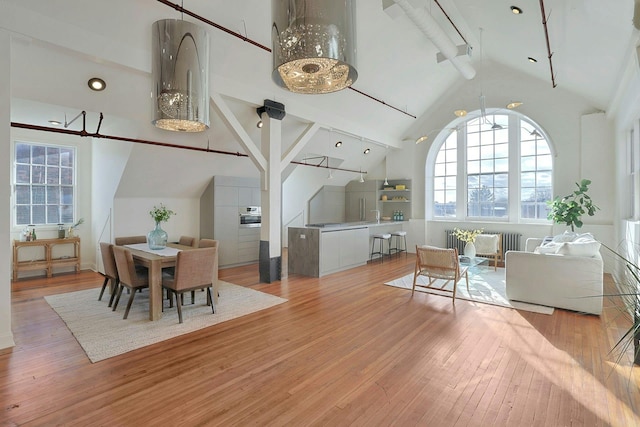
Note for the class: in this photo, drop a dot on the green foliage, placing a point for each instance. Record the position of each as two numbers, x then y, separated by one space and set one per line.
627 280
161 214
569 209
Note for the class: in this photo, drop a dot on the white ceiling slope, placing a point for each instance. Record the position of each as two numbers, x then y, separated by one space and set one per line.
59 44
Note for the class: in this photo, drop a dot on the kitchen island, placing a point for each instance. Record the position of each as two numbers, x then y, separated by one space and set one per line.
320 249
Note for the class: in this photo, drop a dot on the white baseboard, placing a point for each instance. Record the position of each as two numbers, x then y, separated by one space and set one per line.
6 341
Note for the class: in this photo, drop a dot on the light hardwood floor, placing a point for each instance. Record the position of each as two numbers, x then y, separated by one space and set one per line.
344 350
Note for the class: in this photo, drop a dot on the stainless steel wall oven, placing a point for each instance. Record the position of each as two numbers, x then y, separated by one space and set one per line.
250 216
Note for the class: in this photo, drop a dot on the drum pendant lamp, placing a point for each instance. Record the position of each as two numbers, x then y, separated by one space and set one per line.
180 69
314 45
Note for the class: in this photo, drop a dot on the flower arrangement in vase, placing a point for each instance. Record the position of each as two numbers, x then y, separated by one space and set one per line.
70 232
469 237
157 238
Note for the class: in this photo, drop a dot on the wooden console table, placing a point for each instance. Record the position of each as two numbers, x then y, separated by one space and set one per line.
48 263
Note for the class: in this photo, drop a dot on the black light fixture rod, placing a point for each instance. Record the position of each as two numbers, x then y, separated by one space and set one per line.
261 46
84 133
546 34
213 24
454 25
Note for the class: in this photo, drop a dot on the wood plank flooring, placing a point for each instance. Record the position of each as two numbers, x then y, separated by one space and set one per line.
344 350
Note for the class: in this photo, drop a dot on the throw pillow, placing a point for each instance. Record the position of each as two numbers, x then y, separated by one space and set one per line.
583 249
567 236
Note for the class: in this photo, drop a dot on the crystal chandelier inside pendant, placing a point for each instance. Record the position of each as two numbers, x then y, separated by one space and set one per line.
314 45
181 78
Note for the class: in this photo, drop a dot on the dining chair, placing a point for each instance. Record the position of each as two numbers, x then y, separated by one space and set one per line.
489 245
441 267
129 277
207 243
130 240
187 241
110 271
195 269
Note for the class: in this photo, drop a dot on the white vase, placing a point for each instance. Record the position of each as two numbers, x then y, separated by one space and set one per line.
470 250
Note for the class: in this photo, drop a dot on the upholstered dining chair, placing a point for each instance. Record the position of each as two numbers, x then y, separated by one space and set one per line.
129 277
195 269
439 266
110 271
489 245
130 240
187 241
207 243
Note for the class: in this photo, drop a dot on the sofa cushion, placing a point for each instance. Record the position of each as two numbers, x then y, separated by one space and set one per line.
586 248
569 243
567 236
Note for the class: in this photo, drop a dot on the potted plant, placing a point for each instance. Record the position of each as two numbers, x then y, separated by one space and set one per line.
627 280
569 209
469 237
157 238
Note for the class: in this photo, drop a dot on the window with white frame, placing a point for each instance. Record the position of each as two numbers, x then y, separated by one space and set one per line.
494 167
44 183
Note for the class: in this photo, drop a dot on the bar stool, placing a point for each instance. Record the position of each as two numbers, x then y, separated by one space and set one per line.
381 237
395 237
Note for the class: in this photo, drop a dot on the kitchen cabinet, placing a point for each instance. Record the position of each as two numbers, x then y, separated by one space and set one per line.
316 253
361 200
220 205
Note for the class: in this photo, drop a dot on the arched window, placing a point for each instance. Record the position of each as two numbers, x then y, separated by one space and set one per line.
498 167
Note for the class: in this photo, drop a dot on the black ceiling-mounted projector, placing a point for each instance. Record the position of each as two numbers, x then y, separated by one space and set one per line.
274 110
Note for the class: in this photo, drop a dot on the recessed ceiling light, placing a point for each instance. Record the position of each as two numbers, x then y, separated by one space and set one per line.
516 10
259 124
55 122
460 113
367 151
514 104
339 144
531 59
96 84
422 139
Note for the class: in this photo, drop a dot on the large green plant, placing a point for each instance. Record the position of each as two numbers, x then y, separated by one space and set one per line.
569 209
627 280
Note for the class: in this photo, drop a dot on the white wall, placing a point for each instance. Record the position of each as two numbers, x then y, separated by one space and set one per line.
131 216
6 336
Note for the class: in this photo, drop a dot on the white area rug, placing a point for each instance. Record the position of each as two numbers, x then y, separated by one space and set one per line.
103 333
485 286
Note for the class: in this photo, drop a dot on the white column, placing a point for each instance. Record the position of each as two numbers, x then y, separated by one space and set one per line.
6 336
271 200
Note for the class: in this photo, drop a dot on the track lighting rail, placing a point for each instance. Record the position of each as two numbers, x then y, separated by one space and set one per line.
546 35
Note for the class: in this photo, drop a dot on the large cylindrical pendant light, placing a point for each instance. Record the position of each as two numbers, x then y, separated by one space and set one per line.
314 45
180 70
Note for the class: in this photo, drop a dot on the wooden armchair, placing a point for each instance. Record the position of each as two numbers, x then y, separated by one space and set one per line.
195 269
438 264
489 245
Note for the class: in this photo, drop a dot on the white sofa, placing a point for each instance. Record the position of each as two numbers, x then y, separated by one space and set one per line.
555 279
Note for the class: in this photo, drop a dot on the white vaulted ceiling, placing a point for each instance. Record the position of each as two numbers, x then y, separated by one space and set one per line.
59 44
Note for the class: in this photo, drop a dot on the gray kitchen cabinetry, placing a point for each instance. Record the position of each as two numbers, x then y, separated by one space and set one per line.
316 253
220 205
361 200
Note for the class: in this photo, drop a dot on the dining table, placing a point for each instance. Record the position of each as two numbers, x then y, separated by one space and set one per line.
155 261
